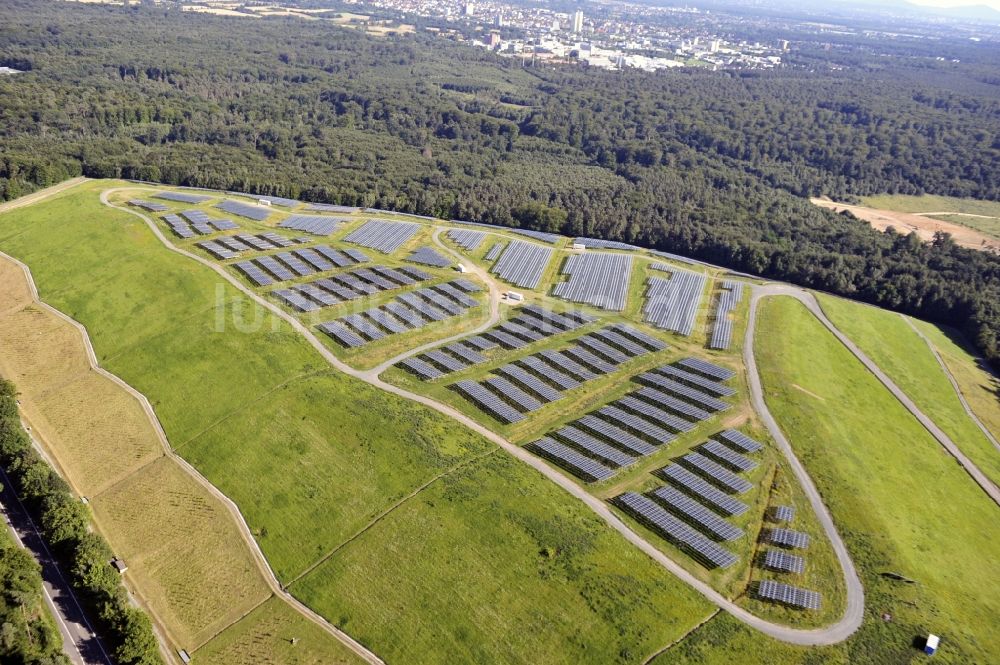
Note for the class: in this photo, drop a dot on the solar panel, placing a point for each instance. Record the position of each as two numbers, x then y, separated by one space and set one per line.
328 207
594 447
717 473
634 423
707 369
255 242
784 562
648 341
182 198
467 240
614 434
480 342
363 326
385 320
428 256
529 381
685 392
739 441
467 286
602 349
783 513
788 538
494 251
445 361
584 356
217 250
705 491
567 365
298 266
466 353
522 264
334 256
232 244
672 404
788 595
654 414
690 510
405 314
505 340
311 257
727 456
729 297
317 294
254 212
148 205
314 224
612 338
253 273
695 381
571 460
675 530
507 390
598 279
551 238
420 368
673 304
342 334
295 300
383 236
488 402
271 265
549 373
276 240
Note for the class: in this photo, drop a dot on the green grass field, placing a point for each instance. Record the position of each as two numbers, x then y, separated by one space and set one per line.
901 503
988 223
311 456
887 339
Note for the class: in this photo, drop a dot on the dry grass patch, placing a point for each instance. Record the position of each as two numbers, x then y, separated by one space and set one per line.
41 353
182 549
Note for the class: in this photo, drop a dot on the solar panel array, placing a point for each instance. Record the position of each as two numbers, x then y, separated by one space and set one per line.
675 530
695 381
467 240
598 279
522 264
383 236
729 298
550 238
706 368
693 511
580 465
672 304
314 224
788 595
330 207
784 562
248 210
788 538
488 401
703 490
603 244
783 513
182 198
727 456
289 265
274 200
151 206
408 311
739 441
428 256
494 252
686 393
720 475
179 226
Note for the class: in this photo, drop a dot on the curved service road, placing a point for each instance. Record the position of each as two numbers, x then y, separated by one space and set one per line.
814 637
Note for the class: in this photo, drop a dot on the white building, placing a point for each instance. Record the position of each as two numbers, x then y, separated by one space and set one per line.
470 9
578 21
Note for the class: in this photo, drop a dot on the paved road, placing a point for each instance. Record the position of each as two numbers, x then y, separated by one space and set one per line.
809 300
827 635
80 643
954 383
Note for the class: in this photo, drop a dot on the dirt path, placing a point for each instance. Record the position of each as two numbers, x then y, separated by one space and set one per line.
905 222
807 637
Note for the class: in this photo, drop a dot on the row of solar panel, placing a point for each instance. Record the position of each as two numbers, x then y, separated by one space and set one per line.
201 225
672 304
722 331
265 270
383 236
348 286
599 279
151 206
407 311
522 264
181 197
248 210
314 224
788 595
467 240
428 256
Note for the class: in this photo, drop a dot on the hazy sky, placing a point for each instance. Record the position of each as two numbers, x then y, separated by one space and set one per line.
995 4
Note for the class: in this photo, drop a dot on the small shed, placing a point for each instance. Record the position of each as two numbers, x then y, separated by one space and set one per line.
515 296
461 268
264 202
931 646
578 247
119 565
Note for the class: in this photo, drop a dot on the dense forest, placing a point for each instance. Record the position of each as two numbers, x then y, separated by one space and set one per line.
715 165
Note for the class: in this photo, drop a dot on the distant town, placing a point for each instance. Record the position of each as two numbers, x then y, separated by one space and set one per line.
624 35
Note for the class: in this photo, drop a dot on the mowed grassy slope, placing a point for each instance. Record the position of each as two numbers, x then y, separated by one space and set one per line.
310 456
888 339
900 501
458 533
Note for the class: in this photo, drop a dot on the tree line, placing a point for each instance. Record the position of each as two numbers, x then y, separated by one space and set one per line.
82 554
715 165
